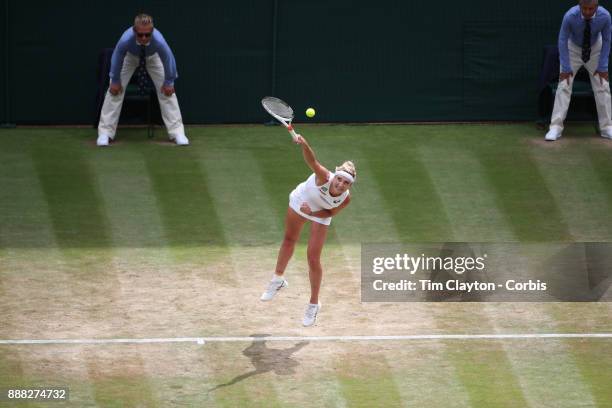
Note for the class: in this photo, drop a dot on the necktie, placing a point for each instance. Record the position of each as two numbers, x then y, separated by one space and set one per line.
586 41
141 73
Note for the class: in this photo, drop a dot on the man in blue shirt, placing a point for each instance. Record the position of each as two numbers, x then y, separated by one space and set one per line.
584 40
142 45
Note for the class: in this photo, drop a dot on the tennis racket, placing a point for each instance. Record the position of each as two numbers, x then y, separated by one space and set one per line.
280 111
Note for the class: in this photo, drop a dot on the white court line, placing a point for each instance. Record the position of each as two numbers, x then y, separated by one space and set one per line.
202 340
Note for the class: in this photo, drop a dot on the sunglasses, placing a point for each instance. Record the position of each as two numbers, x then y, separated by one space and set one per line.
143 35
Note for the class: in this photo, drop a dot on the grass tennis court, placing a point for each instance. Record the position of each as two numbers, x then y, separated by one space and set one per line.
148 240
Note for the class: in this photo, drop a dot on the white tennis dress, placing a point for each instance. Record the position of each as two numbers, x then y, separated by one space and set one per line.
317 197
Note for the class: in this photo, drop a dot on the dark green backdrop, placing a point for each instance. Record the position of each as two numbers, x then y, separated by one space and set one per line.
3 62
353 60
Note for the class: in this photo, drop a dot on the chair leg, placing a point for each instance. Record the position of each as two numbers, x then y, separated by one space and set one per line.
149 123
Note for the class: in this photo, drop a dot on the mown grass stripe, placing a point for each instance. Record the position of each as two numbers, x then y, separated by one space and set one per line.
245 211
581 194
118 391
522 192
11 369
594 361
23 208
532 368
409 195
129 199
593 358
183 197
367 388
487 376
467 197
602 165
75 206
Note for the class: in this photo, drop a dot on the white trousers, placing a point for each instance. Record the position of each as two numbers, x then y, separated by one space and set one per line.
601 88
111 110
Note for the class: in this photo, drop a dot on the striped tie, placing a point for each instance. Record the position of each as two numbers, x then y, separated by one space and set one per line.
586 41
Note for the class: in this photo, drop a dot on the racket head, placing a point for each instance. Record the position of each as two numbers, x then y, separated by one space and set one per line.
278 108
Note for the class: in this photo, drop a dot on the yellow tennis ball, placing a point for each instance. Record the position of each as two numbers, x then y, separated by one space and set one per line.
310 112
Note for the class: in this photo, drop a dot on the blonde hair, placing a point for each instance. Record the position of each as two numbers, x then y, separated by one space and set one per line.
349 167
143 20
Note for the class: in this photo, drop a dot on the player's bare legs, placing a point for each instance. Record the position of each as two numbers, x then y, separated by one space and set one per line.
293 226
318 234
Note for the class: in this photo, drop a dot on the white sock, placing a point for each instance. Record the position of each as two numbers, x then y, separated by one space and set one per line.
277 277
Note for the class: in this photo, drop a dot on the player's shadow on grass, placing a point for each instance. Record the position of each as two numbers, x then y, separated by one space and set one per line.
266 359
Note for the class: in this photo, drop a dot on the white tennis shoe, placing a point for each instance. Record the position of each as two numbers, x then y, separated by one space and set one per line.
310 317
181 140
607 133
275 285
553 134
103 140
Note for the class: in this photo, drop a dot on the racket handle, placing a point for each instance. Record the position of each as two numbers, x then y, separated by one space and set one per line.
293 134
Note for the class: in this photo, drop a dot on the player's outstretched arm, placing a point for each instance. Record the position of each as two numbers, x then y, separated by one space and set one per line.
321 172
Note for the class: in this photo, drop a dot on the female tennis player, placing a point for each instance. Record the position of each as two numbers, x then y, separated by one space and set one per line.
323 195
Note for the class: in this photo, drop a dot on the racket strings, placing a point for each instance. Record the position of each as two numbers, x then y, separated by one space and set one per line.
278 107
